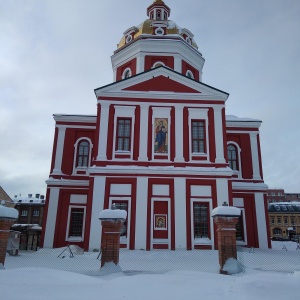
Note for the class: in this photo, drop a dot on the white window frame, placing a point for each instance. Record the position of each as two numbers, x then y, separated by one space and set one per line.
202 241
159 31
161 64
124 73
24 213
75 238
239 171
76 168
129 113
189 72
198 114
36 213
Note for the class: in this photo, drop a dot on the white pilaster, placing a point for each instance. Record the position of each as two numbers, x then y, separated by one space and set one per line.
261 221
179 134
140 63
180 212
59 149
254 154
222 191
103 131
51 217
219 135
143 132
177 63
97 207
141 213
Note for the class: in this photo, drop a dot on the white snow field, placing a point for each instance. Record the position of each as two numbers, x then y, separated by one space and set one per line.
55 274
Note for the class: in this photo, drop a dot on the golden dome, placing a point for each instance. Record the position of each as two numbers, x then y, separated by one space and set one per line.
145 28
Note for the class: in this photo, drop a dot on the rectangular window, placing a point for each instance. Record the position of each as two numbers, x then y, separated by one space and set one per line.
286 222
124 206
201 220
240 229
76 222
24 213
198 136
123 134
36 213
272 220
278 220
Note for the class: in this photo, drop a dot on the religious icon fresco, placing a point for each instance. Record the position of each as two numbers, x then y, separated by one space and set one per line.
161 135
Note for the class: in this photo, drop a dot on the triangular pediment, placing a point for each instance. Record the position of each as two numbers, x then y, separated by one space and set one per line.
159 83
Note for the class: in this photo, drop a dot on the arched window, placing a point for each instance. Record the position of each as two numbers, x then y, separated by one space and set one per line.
189 74
126 73
83 151
232 157
158 64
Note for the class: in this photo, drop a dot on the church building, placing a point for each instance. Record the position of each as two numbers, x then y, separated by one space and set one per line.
159 146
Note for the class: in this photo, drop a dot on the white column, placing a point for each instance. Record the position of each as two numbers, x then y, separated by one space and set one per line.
222 191
179 134
114 74
254 154
143 132
180 212
141 213
104 116
219 135
59 149
97 207
261 221
177 64
140 63
51 217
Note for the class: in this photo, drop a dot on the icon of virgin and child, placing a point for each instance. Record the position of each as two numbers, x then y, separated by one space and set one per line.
161 141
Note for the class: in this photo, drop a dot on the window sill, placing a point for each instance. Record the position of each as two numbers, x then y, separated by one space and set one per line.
74 239
202 241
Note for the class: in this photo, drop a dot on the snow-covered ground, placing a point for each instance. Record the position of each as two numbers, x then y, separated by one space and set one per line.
54 274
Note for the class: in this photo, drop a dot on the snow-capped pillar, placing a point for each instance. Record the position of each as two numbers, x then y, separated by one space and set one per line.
140 64
112 221
261 221
51 217
219 134
179 134
177 64
59 149
254 153
8 216
103 131
143 132
226 218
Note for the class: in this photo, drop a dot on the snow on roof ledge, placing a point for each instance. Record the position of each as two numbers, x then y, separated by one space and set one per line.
238 119
8 212
118 214
226 211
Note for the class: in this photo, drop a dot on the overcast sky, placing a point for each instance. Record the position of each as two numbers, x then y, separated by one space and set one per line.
54 53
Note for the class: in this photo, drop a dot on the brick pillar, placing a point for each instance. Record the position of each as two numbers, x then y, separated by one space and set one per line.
5 225
226 234
110 243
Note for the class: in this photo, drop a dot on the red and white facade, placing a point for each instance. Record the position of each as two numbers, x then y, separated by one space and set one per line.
161 147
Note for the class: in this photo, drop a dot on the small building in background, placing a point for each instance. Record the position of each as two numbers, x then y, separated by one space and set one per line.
284 218
4 196
29 223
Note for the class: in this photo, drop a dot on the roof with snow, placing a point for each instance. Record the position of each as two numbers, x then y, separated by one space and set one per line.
284 207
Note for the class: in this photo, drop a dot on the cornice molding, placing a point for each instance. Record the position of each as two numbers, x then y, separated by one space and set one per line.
75 118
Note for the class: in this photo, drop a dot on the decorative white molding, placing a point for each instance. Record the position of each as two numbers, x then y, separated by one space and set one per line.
75 118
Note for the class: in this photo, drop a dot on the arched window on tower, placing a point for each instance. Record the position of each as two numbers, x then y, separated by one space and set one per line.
232 157
83 151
